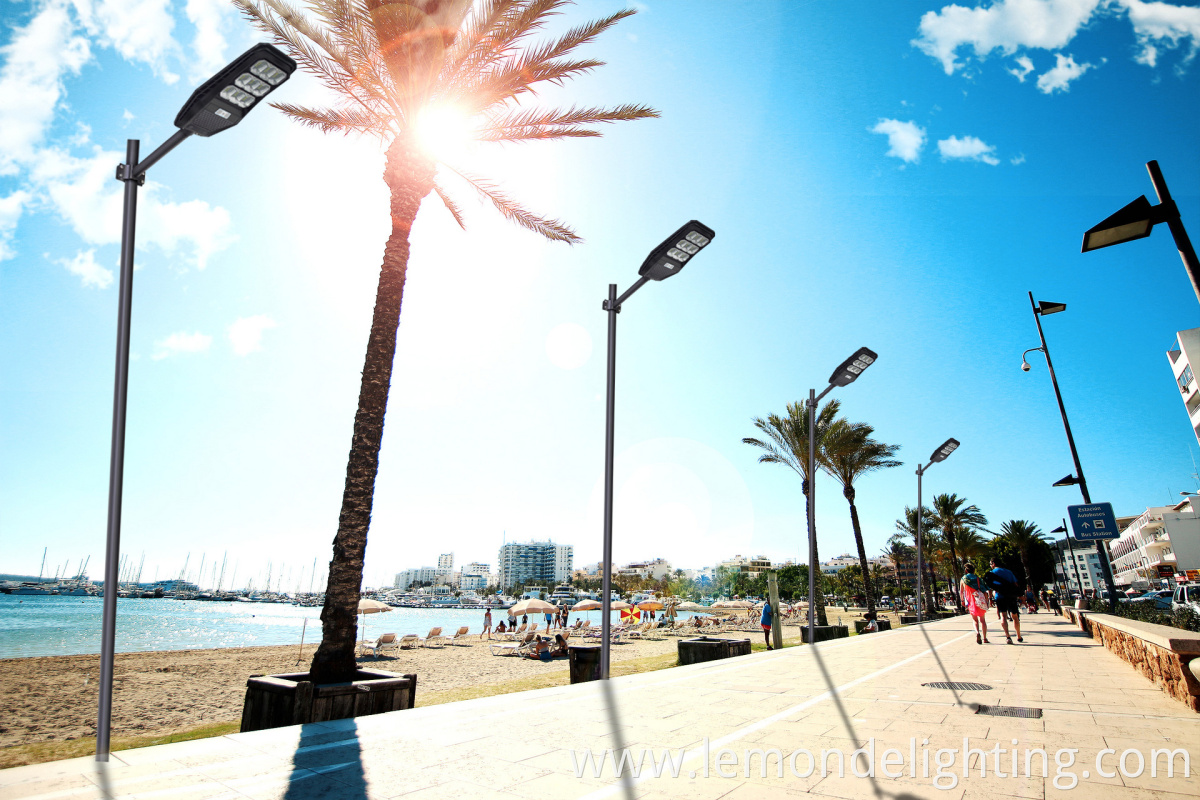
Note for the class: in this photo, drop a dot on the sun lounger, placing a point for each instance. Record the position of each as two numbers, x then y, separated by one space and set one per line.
461 634
409 640
434 635
512 635
384 643
515 649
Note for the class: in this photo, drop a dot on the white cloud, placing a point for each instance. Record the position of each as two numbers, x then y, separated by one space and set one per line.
905 139
90 273
1058 77
1006 25
1163 23
140 30
181 343
967 148
1017 160
209 18
35 61
10 213
1023 68
83 192
246 333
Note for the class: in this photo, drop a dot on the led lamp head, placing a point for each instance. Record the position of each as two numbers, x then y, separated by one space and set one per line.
225 98
675 251
849 370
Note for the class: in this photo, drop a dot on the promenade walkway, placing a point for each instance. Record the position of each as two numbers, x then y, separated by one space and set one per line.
866 692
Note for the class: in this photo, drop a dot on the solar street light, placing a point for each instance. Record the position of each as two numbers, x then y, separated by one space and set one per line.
940 454
665 260
846 374
1136 220
220 103
1069 480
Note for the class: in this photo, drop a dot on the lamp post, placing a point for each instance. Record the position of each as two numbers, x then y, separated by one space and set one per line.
1039 310
941 454
664 261
1136 220
846 374
220 103
1078 578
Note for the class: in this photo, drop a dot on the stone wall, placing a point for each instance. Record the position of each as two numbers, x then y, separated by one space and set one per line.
1164 659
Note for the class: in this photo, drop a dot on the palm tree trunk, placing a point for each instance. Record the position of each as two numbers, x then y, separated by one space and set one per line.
954 567
822 619
862 550
409 176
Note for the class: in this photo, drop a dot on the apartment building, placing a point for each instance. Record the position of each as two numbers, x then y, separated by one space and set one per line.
1156 545
1078 569
1185 354
535 562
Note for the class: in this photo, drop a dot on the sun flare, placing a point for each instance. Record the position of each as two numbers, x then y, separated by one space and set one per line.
446 132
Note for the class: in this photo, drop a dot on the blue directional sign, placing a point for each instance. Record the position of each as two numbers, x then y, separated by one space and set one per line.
1093 522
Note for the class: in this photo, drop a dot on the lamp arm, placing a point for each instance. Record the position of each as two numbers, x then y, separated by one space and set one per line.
138 172
1031 350
639 283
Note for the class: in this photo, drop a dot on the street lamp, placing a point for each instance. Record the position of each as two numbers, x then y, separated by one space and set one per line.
941 454
1040 309
1135 221
846 374
664 261
1078 579
220 103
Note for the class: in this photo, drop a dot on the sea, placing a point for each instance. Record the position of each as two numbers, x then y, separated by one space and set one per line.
57 625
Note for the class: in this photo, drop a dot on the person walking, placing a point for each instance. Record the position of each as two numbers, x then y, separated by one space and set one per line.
512 620
1004 585
975 598
487 624
765 622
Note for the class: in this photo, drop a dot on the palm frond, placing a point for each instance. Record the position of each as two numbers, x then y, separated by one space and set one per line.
527 124
331 120
450 205
552 229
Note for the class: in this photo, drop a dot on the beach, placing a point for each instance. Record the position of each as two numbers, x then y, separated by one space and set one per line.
55 698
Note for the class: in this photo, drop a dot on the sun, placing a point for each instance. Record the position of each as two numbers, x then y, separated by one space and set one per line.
446 132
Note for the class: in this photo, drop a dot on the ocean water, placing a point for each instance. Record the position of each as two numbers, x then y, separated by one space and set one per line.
52 625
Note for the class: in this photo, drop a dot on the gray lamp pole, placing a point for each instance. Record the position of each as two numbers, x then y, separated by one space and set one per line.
846 374
1136 220
664 261
941 454
1039 310
220 103
1065 531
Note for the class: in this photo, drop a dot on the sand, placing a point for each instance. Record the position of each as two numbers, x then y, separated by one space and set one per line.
55 698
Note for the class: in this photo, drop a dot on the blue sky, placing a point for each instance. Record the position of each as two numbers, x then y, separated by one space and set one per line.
895 175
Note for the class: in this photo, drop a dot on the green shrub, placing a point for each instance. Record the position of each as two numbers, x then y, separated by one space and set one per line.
1185 618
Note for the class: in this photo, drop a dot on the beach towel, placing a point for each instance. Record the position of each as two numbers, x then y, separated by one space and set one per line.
977 602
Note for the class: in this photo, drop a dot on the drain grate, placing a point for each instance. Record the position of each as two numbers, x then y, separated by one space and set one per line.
962 687
1009 711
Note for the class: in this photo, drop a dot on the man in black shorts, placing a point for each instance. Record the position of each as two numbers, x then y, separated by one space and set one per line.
1004 586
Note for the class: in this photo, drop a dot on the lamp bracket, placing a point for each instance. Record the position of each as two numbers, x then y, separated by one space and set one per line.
604 305
123 175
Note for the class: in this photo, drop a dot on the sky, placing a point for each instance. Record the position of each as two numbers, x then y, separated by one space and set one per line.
889 175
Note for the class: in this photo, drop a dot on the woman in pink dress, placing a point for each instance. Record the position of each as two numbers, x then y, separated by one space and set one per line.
973 594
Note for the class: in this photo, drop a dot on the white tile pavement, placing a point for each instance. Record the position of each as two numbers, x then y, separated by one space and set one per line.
864 692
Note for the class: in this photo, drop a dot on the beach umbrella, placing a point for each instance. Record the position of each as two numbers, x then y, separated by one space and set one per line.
620 605
733 604
587 605
368 606
532 606
690 606
650 605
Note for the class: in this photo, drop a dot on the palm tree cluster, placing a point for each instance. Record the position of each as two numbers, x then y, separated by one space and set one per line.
846 451
388 65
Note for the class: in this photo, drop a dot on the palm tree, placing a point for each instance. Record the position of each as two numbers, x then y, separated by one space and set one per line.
1022 535
388 64
787 444
952 515
848 453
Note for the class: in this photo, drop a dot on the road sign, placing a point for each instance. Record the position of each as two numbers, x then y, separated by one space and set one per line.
1093 522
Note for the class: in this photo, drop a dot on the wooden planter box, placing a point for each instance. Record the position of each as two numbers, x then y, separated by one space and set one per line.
826 632
884 624
273 701
707 648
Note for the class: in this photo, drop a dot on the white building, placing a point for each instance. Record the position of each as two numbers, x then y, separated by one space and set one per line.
446 561
835 565
433 576
1182 358
1082 575
647 570
752 566
1164 536
535 562
475 576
